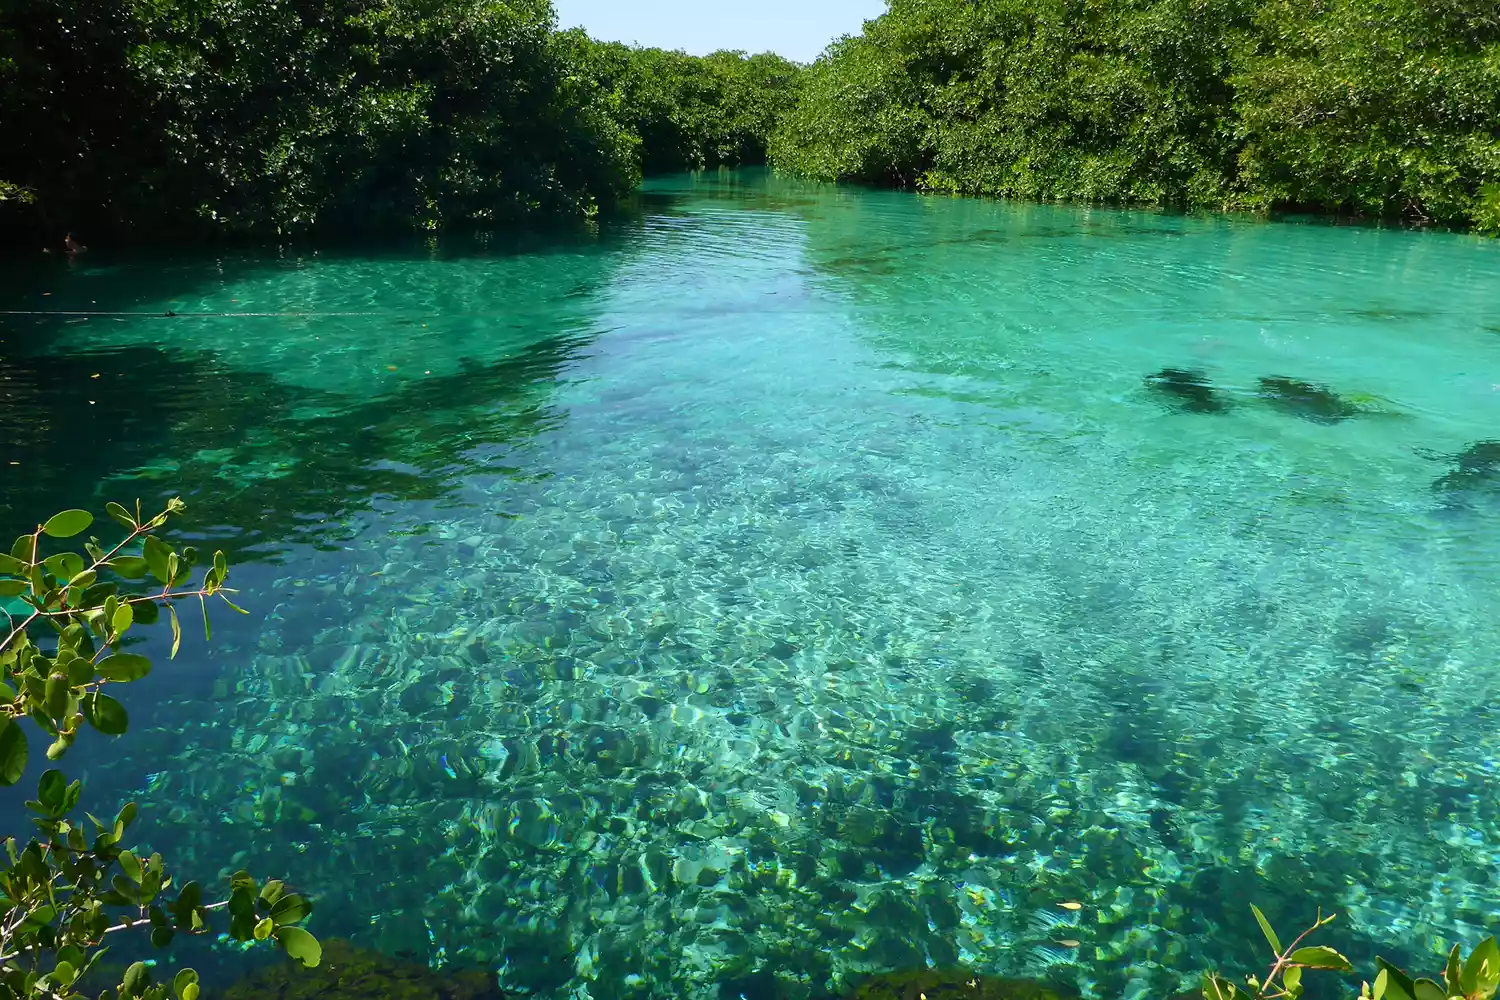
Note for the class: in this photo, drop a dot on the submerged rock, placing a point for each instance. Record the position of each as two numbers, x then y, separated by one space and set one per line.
351 973
1316 403
1475 476
951 984
1191 390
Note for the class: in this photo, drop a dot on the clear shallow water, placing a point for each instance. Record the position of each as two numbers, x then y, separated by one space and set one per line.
805 579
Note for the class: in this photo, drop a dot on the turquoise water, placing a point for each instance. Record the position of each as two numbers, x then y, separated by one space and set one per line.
813 581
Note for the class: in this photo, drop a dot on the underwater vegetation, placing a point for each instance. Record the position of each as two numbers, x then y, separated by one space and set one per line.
351 973
1475 476
1305 400
1189 390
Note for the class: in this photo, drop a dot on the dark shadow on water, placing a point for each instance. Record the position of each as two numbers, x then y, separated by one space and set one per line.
1473 483
1187 391
1306 400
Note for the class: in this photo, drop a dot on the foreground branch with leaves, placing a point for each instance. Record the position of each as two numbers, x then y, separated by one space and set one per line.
76 882
1476 977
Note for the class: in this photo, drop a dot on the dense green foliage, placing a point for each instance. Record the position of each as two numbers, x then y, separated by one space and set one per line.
1384 107
691 112
65 621
279 118
236 116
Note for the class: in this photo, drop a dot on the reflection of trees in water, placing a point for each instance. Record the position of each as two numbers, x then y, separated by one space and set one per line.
257 470
230 413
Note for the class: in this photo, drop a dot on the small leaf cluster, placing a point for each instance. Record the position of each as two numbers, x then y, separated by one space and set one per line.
1475 977
77 880
80 598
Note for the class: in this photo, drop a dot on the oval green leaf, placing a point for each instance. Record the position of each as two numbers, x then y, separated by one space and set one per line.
130 567
300 945
12 588
290 909
120 514
11 565
13 753
67 524
124 667
135 980
1321 957
64 565
106 714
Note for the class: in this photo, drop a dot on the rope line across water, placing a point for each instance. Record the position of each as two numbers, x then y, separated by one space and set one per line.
169 314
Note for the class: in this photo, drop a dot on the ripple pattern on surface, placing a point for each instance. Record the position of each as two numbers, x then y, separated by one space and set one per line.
856 603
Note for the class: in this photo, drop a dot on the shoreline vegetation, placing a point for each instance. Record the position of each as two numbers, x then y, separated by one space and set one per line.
185 120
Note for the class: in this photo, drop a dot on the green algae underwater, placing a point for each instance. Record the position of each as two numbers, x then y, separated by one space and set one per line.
789 585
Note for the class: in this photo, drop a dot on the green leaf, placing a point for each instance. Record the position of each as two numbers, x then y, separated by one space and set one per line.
146 612
56 698
221 565
158 558
130 567
23 549
64 565
272 890
181 981
290 909
120 514
131 866
1452 976
1427 989
13 752
124 667
1219 988
263 928
106 714
80 671
176 631
12 588
191 897
67 524
1321 957
12 566
190 992
135 980
300 945
161 937
1291 980
52 790
1481 971
124 617
126 888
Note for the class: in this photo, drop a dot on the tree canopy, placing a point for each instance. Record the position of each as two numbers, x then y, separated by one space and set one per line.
1381 107
186 117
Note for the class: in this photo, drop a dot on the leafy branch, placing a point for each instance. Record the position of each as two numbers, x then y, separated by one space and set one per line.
70 887
1474 978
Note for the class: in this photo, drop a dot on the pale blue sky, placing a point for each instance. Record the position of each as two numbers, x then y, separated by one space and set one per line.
797 29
